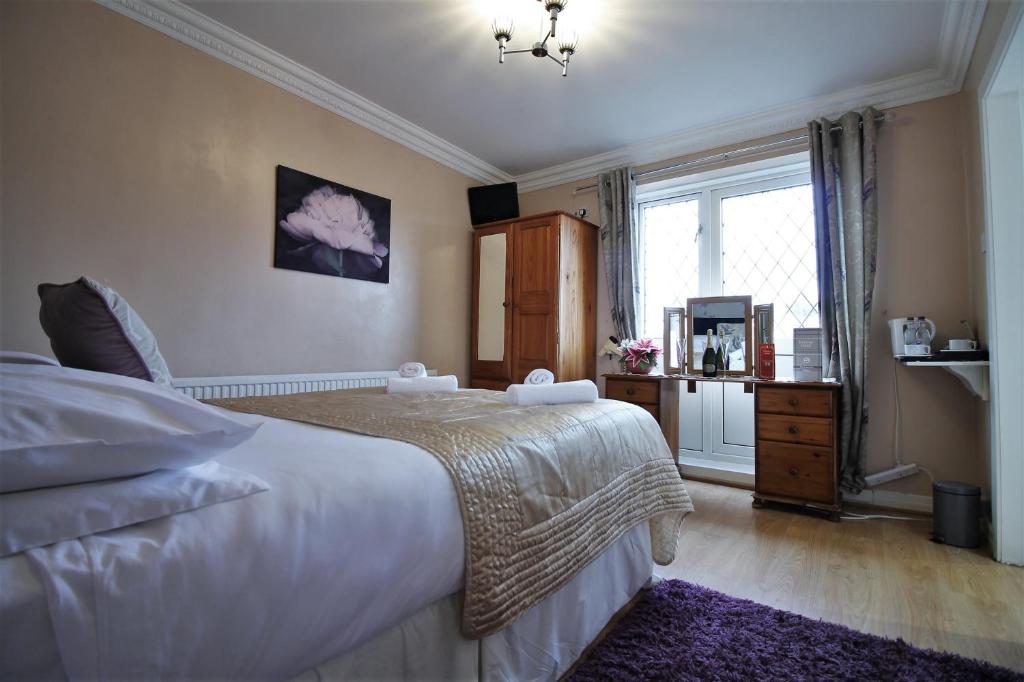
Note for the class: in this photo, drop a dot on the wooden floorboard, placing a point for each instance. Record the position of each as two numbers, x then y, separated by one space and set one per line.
879 576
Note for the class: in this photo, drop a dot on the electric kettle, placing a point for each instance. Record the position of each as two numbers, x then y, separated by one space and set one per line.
911 336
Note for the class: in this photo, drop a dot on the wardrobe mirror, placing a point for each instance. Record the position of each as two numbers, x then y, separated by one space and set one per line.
729 320
491 303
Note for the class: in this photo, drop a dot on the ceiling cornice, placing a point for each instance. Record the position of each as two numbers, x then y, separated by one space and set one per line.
960 25
193 28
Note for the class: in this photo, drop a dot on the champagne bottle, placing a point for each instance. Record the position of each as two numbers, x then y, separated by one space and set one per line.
720 353
708 361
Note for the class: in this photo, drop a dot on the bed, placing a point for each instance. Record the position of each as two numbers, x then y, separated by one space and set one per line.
352 565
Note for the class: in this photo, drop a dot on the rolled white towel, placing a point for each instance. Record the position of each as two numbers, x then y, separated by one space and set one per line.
584 391
539 377
411 370
445 384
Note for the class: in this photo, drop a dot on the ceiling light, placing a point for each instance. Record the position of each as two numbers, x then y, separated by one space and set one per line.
568 43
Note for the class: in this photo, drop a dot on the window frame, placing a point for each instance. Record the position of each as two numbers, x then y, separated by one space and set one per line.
709 188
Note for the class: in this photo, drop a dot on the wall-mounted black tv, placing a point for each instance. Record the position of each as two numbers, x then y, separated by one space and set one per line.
493 202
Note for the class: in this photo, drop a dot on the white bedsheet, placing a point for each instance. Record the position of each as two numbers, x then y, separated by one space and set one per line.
356 534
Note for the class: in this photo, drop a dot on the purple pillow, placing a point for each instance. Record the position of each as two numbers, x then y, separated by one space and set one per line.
92 327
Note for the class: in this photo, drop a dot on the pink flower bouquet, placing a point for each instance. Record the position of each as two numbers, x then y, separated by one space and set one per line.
640 356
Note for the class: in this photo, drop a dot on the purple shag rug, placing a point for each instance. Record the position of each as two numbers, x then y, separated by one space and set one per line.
680 631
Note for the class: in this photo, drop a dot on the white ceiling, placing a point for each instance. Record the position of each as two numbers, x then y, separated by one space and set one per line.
644 70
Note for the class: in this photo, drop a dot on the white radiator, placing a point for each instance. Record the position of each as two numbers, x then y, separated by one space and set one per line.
203 388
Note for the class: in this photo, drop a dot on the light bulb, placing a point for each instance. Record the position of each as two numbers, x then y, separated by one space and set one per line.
568 42
554 8
503 26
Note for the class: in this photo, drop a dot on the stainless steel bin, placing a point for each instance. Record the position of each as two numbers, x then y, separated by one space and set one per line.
955 513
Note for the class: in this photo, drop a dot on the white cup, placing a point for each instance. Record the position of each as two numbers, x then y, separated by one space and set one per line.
963 344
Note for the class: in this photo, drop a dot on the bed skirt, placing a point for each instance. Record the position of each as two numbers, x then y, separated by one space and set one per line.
540 645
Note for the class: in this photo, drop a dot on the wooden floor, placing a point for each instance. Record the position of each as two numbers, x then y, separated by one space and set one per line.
878 576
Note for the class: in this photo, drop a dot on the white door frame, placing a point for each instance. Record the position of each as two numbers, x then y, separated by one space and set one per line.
1004 247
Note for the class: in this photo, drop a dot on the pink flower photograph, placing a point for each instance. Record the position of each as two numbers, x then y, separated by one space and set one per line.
330 229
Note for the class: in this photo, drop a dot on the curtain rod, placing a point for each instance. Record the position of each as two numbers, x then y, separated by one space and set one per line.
733 153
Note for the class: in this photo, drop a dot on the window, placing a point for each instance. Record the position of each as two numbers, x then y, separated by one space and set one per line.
748 232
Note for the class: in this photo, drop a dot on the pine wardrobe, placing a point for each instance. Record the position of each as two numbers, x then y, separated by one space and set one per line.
534 299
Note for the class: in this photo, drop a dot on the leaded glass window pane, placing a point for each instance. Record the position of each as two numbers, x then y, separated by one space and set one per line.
768 251
670 265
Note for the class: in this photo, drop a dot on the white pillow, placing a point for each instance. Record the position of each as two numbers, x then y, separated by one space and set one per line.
15 357
60 426
34 518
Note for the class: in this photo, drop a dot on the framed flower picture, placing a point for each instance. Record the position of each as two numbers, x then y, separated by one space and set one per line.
328 228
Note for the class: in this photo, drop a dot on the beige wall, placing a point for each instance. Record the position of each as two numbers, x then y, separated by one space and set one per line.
149 165
923 269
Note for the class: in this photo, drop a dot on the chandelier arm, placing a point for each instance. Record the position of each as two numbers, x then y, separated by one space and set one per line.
540 49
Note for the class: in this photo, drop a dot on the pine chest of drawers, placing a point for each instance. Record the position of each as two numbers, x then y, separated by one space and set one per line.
797 438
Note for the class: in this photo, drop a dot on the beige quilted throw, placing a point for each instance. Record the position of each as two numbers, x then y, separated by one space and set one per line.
544 489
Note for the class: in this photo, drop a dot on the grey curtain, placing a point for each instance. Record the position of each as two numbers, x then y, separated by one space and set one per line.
616 194
843 171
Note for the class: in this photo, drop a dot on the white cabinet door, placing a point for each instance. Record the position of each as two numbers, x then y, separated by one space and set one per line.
733 421
691 420
716 422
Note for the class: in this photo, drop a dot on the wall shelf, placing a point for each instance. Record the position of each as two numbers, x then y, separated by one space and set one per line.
973 374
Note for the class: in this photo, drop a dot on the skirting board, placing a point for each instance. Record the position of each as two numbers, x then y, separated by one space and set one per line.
886 499
205 388
920 504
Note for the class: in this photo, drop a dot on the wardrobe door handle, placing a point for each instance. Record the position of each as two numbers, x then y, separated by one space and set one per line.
793 402
505 304
794 430
793 471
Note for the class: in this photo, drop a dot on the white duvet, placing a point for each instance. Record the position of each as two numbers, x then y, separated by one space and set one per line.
355 534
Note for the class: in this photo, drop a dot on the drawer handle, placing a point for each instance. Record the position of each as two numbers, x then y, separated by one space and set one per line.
630 391
793 402
793 430
793 471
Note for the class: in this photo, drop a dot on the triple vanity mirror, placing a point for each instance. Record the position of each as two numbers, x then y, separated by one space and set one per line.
728 318
674 341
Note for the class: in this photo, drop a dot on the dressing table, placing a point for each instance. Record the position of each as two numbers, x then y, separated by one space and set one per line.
796 423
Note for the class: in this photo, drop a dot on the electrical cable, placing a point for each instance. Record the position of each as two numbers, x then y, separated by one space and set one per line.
897 431
897 427
850 516
897 452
